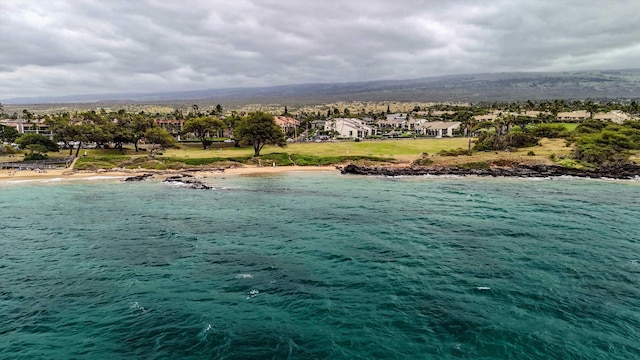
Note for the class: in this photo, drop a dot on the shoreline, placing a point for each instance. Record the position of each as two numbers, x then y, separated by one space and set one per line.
623 172
9 176
615 172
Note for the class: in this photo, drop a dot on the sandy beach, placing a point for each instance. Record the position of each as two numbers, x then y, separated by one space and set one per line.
68 174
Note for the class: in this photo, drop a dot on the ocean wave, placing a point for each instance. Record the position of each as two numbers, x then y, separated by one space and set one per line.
253 293
137 308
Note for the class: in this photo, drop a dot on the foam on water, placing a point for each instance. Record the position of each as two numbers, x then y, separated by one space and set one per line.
252 293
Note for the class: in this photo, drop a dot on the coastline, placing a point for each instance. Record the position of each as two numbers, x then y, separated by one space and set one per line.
617 172
7 176
625 172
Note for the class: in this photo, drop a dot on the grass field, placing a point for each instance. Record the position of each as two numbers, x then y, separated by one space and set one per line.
402 150
399 151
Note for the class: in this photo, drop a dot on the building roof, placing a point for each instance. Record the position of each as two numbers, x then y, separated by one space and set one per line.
285 121
397 117
354 123
615 116
577 114
435 125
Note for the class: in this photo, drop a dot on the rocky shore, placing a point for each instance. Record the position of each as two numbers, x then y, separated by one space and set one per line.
625 171
189 181
180 179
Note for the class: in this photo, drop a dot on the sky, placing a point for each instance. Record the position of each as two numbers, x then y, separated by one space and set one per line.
75 47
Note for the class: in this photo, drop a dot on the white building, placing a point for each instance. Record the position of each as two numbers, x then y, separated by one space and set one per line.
350 128
438 129
396 121
29 127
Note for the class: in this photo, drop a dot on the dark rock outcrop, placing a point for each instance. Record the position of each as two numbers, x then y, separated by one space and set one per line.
189 181
624 171
139 177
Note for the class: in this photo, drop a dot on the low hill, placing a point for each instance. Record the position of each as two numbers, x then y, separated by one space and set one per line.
610 84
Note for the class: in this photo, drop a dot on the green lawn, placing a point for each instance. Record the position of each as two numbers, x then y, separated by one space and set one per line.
406 149
569 126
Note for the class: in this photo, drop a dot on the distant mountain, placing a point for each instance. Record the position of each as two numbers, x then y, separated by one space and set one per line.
610 84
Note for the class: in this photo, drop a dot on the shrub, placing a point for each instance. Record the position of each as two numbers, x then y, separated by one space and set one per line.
6 149
531 153
570 163
516 139
521 139
422 162
202 161
603 148
280 159
590 126
549 131
478 165
35 156
312 160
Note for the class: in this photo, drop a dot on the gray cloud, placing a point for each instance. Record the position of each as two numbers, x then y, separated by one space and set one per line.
98 46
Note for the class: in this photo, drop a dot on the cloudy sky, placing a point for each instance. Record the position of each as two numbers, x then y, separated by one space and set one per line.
51 47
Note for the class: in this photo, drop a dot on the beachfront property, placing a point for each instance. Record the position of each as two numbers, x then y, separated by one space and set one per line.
36 126
173 126
396 121
615 116
287 124
349 128
438 129
577 115
494 114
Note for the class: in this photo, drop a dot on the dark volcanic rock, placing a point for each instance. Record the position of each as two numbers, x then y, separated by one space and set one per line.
139 177
189 181
624 171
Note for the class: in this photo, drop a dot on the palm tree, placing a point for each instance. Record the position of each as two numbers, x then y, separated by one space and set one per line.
467 120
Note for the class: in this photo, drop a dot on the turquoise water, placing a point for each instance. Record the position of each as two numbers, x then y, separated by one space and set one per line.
321 266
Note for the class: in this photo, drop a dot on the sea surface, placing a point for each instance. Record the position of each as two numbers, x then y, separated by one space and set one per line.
321 266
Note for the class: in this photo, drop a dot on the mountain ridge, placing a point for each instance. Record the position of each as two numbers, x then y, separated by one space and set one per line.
507 86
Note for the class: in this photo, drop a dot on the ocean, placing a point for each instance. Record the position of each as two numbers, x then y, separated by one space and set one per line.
317 265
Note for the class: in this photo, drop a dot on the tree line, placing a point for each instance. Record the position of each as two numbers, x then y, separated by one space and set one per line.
115 129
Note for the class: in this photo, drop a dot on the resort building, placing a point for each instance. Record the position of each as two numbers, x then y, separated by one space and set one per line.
615 116
350 128
577 115
491 116
287 124
438 129
36 126
395 121
173 126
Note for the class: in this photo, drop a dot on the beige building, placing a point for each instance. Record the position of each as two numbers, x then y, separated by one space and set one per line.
577 115
286 123
615 116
